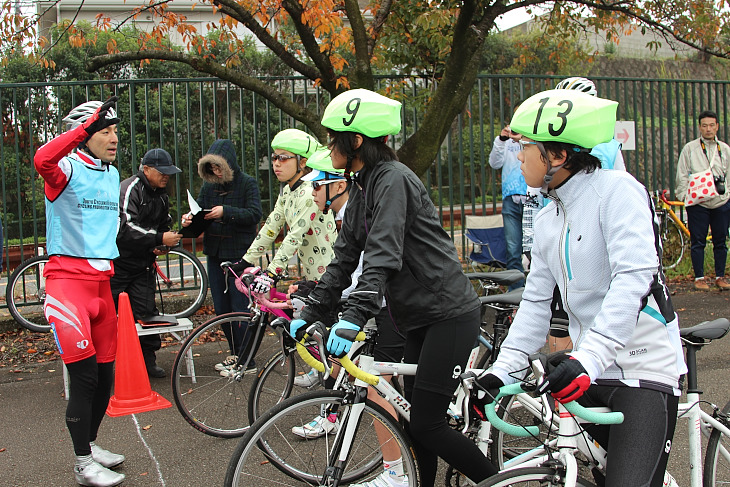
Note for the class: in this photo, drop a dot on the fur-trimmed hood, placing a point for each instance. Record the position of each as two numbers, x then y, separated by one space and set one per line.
223 154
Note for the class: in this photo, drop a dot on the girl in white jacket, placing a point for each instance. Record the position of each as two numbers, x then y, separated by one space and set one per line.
596 240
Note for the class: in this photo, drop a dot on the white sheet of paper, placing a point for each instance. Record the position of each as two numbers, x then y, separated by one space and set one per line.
194 206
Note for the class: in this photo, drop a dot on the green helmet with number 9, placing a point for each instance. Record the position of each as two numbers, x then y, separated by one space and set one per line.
364 112
566 116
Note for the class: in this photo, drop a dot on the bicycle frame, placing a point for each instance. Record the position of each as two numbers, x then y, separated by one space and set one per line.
666 205
699 424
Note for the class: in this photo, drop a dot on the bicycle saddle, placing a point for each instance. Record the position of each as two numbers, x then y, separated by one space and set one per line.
503 278
512 297
708 330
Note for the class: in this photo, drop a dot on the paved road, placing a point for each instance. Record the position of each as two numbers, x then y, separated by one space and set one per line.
163 450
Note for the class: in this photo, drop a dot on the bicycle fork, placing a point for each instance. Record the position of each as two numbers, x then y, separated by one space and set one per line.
342 445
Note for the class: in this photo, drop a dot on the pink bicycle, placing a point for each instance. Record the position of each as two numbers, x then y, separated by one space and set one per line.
235 362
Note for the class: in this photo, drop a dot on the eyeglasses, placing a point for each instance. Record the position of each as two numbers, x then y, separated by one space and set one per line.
318 184
281 157
525 143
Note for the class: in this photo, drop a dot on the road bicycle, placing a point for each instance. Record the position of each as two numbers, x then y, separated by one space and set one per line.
214 397
672 230
182 285
554 462
273 383
352 450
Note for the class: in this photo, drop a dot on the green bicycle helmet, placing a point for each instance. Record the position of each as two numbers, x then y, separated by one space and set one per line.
321 164
296 142
566 116
364 112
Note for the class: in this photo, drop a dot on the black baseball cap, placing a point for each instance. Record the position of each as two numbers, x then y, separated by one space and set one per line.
161 160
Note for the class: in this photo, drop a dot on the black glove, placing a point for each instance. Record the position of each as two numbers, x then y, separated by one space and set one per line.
304 288
567 381
486 389
240 266
98 121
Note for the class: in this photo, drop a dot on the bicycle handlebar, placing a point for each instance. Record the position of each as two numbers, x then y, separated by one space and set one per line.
345 361
573 408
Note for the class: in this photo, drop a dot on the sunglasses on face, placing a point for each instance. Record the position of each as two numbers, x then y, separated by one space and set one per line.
318 184
280 157
525 143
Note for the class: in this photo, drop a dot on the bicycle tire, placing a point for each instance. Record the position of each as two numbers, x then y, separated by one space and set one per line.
270 443
186 286
504 446
531 477
211 403
717 465
26 293
672 244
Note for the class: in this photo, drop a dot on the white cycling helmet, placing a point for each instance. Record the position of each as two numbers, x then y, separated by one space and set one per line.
577 83
81 113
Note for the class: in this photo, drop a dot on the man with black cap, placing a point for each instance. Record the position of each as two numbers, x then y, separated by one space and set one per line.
144 233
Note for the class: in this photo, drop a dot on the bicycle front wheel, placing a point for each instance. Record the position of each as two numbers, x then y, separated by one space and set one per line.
26 293
275 382
273 451
505 447
531 477
672 244
182 283
717 457
211 396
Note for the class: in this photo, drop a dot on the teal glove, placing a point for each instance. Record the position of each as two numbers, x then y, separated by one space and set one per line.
341 337
294 327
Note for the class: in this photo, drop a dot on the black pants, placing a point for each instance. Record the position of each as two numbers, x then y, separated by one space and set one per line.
140 286
699 219
638 449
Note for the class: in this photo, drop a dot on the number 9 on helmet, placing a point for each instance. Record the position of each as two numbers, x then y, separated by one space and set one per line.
566 116
363 112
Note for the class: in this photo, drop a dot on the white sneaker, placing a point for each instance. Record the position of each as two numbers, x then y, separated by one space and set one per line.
105 457
318 427
227 363
306 380
384 480
232 371
91 473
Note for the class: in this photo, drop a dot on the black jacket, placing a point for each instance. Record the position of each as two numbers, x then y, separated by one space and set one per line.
144 214
238 193
408 255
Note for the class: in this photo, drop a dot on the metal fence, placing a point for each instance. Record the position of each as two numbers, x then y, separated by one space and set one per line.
184 116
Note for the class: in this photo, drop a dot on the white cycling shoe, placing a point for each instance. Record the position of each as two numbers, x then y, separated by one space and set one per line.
91 473
318 427
105 457
306 380
384 480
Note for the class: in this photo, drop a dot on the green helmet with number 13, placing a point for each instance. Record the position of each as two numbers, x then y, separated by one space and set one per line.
363 112
566 116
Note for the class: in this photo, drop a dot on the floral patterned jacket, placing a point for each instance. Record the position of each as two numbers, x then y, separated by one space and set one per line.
311 234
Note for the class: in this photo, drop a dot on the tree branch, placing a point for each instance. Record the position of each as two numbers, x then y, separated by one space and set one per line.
268 91
233 9
377 24
362 75
311 46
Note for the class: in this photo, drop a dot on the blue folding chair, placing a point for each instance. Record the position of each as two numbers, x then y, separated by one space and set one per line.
489 246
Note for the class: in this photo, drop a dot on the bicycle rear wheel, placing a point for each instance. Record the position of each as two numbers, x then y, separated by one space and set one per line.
270 442
717 457
182 283
531 477
211 399
26 293
672 244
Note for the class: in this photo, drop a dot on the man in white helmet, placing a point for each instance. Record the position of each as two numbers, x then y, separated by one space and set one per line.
82 215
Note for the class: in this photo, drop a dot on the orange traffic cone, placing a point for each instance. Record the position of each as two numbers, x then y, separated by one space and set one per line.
132 391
